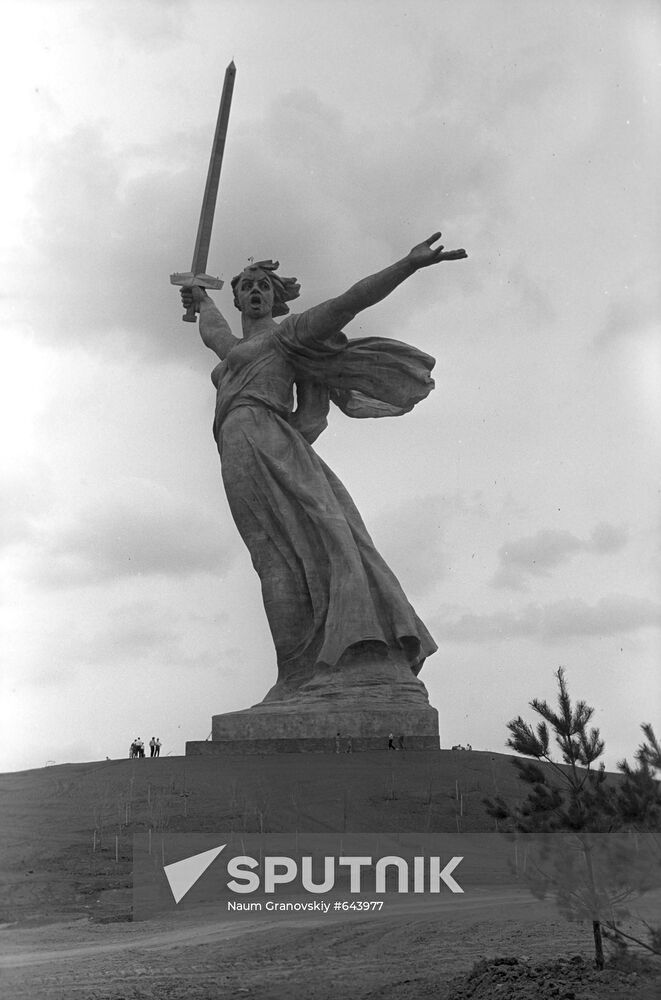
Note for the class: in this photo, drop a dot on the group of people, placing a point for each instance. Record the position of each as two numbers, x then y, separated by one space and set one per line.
137 748
348 744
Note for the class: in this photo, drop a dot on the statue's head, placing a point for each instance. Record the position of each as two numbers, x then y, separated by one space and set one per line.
258 290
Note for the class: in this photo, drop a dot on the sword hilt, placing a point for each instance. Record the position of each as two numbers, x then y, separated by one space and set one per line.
187 280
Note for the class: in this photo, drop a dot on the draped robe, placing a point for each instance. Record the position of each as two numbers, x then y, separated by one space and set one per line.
324 585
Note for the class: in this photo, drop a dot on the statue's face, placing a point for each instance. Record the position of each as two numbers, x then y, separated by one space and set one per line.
254 293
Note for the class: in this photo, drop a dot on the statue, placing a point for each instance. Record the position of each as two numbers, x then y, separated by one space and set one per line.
341 625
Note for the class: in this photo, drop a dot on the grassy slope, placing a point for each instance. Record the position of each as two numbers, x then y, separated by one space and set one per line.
53 818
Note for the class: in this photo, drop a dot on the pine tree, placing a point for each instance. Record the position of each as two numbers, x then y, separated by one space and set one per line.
571 797
639 800
638 805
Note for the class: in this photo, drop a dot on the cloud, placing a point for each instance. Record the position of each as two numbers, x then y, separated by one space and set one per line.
104 237
334 170
554 622
24 497
153 625
538 554
145 532
606 538
609 616
147 25
138 630
633 311
415 532
108 225
415 541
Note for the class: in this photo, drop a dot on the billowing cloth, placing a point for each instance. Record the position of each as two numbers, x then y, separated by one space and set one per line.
367 377
324 585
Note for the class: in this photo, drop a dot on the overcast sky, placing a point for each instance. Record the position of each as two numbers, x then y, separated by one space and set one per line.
518 504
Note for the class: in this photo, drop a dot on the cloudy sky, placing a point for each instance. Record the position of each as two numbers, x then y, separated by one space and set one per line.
518 504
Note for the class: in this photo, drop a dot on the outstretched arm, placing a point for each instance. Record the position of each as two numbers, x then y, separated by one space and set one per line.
214 328
325 319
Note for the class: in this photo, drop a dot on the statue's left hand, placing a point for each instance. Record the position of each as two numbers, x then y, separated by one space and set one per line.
424 254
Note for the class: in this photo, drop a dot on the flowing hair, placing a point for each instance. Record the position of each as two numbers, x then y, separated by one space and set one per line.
284 289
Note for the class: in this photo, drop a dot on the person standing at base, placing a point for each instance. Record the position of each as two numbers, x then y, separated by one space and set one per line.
152 746
157 747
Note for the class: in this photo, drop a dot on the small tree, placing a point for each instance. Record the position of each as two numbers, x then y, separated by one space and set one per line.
563 797
638 805
638 801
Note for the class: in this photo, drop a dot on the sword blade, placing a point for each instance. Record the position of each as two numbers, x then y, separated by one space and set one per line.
203 239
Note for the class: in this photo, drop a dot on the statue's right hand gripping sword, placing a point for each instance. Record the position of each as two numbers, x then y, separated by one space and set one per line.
196 275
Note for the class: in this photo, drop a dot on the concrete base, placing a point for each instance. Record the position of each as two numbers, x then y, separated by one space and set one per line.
287 728
224 748
266 722
371 693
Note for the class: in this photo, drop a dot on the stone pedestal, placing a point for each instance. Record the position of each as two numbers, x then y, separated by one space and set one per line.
262 722
368 695
262 730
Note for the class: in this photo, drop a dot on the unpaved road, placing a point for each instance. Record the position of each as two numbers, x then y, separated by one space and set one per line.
207 925
23 947
409 953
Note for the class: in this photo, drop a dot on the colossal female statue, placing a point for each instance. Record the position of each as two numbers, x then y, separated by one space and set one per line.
341 624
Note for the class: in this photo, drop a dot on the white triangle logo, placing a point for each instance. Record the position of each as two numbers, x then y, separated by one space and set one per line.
182 875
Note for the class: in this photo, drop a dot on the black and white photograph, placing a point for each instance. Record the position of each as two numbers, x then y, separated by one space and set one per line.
330 538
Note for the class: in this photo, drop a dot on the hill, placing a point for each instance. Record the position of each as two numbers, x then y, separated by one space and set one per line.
66 831
66 835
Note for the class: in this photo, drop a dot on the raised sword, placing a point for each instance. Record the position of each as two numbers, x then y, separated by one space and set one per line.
197 274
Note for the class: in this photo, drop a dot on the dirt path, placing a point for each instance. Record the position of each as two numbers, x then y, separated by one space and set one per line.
407 955
410 952
38 946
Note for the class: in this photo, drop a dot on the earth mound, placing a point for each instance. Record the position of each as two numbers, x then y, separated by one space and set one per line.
561 979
